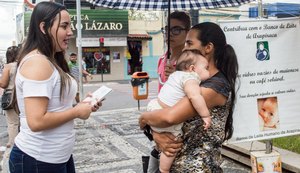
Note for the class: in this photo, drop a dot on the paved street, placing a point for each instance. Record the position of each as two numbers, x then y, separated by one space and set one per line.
110 140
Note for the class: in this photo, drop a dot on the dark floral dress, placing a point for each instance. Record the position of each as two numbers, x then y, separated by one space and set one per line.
201 149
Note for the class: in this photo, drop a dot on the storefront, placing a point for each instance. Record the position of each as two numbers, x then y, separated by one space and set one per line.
109 50
104 41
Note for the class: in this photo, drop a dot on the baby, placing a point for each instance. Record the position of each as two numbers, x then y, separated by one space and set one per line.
268 111
191 68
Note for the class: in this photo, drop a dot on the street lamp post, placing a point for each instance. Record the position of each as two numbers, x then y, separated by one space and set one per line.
101 40
79 45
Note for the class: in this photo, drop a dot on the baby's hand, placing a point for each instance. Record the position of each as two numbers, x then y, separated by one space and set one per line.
207 122
169 69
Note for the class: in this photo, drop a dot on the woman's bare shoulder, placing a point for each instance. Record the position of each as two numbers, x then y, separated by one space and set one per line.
37 67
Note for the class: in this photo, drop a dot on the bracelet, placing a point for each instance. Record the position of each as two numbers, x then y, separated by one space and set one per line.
206 116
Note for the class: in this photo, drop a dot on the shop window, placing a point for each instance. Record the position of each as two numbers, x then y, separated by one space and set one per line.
97 60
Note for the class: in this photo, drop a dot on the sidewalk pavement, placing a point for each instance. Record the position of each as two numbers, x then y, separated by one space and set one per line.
3 136
111 142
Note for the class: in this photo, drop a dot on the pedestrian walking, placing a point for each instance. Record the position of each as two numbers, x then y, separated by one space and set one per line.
7 82
85 72
74 71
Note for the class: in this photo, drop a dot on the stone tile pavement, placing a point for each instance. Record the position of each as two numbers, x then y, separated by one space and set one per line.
111 142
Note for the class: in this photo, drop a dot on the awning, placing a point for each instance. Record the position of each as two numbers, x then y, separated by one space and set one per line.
139 37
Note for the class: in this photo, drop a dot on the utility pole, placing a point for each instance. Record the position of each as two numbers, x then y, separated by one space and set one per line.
79 46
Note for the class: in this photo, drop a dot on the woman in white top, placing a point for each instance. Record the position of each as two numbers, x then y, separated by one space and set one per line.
45 93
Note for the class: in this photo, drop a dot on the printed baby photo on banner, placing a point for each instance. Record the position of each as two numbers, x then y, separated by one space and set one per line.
268 113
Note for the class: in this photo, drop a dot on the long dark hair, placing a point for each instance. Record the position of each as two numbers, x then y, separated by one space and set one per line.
225 60
44 42
11 54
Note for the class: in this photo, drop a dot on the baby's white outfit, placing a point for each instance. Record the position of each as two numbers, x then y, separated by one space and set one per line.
171 92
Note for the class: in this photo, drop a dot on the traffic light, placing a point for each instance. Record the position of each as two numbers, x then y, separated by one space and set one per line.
101 40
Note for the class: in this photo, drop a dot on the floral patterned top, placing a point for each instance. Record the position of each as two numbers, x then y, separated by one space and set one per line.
201 149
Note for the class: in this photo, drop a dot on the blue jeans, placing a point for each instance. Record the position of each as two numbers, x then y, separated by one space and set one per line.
20 162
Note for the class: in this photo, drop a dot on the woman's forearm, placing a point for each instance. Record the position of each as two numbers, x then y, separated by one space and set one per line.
155 118
181 111
39 118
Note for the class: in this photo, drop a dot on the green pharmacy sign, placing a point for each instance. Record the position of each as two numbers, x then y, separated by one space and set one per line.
95 23
101 22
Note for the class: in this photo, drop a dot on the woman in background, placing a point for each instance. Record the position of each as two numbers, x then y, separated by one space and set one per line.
180 24
7 81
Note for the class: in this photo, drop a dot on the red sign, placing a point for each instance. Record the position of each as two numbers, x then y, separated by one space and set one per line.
98 56
101 39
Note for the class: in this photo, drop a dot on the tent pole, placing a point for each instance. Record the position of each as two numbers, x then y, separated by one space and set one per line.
269 142
260 9
169 23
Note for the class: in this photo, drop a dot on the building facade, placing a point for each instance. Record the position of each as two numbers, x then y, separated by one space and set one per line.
112 45
115 47
116 44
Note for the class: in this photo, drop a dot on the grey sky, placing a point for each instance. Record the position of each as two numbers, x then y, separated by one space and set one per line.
8 10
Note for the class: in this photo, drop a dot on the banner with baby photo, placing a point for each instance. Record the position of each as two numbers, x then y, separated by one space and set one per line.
268 98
